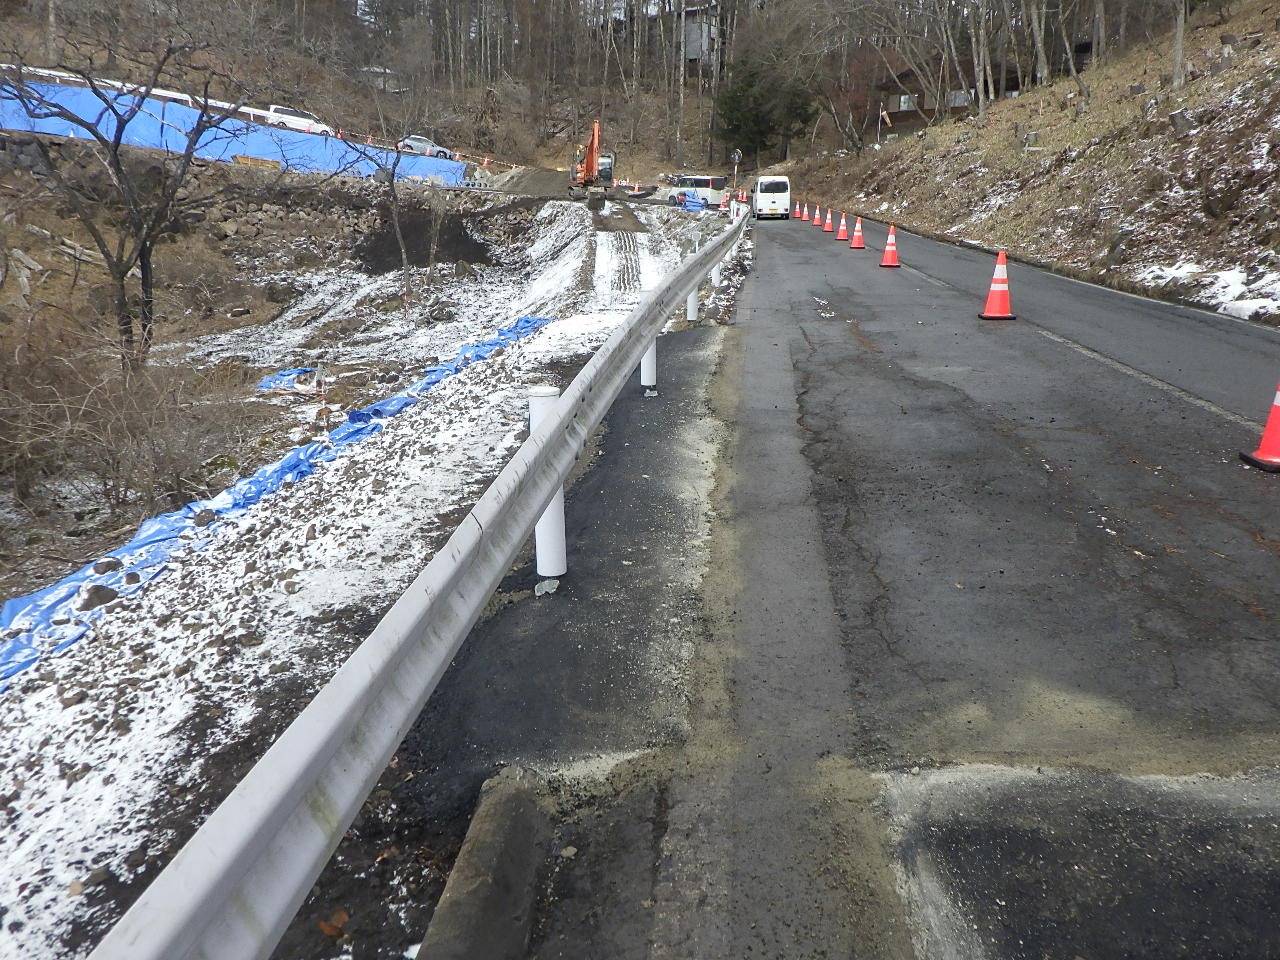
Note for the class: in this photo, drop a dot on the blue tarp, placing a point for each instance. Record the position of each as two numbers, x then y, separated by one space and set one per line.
163 125
694 202
46 621
284 379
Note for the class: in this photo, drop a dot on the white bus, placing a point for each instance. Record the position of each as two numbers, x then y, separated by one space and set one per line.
772 198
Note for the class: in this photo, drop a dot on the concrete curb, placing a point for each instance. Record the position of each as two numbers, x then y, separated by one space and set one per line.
486 911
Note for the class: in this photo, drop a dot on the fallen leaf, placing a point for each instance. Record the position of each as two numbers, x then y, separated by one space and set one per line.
333 926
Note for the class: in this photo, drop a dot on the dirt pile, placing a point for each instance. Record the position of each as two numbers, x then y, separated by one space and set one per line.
1175 192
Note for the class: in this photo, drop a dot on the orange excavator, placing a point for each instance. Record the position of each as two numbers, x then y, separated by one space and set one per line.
592 174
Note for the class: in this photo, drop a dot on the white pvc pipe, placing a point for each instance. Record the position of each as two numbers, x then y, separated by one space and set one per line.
548 533
715 275
649 367
691 307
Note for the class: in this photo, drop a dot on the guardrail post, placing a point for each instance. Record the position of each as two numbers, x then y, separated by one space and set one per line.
649 367
715 275
691 306
548 533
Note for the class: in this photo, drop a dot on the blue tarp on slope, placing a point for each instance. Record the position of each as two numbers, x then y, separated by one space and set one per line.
47 622
694 203
163 125
283 379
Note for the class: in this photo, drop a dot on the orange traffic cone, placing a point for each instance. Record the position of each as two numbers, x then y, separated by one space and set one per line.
805 216
827 227
1267 456
998 306
843 232
797 213
890 258
817 218
856 242
724 201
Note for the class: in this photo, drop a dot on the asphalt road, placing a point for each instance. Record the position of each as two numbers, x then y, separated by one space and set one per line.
1056 592
891 632
991 617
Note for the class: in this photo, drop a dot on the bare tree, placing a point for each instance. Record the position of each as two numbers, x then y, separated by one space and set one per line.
126 202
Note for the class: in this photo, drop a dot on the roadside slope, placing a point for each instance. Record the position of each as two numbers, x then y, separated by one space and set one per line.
1169 192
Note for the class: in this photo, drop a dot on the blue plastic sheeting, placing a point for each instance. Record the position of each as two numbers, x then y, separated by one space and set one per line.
694 203
283 379
163 125
47 622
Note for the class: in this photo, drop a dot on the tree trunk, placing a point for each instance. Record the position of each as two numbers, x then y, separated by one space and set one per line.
1036 19
1071 56
1179 36
147 307
1099 32
51 32
680 75
124 319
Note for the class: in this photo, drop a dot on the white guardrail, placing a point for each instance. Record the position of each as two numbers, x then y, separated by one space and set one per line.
232 890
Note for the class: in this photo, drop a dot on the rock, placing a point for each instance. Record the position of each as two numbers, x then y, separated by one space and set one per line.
106 565
1137 89
132 579
290 586
238 312
182 669
545 587
280 292
95 595
230 229
568 853
1116 248
311 533
73 699
1229 39
205 517
97 877
463 270
1217 67
1181 122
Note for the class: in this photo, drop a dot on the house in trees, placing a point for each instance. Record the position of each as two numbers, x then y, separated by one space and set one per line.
905 94
702 35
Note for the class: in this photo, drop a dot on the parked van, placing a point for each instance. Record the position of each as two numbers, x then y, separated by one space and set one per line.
708 189
293 119
772 198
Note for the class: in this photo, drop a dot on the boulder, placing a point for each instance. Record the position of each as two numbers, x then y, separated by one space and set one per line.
1182 122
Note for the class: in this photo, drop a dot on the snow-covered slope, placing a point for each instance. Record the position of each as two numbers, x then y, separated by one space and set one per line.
112 753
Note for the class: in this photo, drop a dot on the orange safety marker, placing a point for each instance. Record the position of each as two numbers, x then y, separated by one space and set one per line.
856 242
1267 456
843 232
827 227
890 258
797 213
805 216
817 218
998 306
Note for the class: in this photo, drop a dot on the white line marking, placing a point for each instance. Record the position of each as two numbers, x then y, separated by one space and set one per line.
1154 381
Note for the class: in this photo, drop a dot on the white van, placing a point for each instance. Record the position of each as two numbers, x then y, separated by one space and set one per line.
293 119
772 198
708 189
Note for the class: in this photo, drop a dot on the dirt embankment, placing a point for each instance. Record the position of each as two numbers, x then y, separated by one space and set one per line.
1172 192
